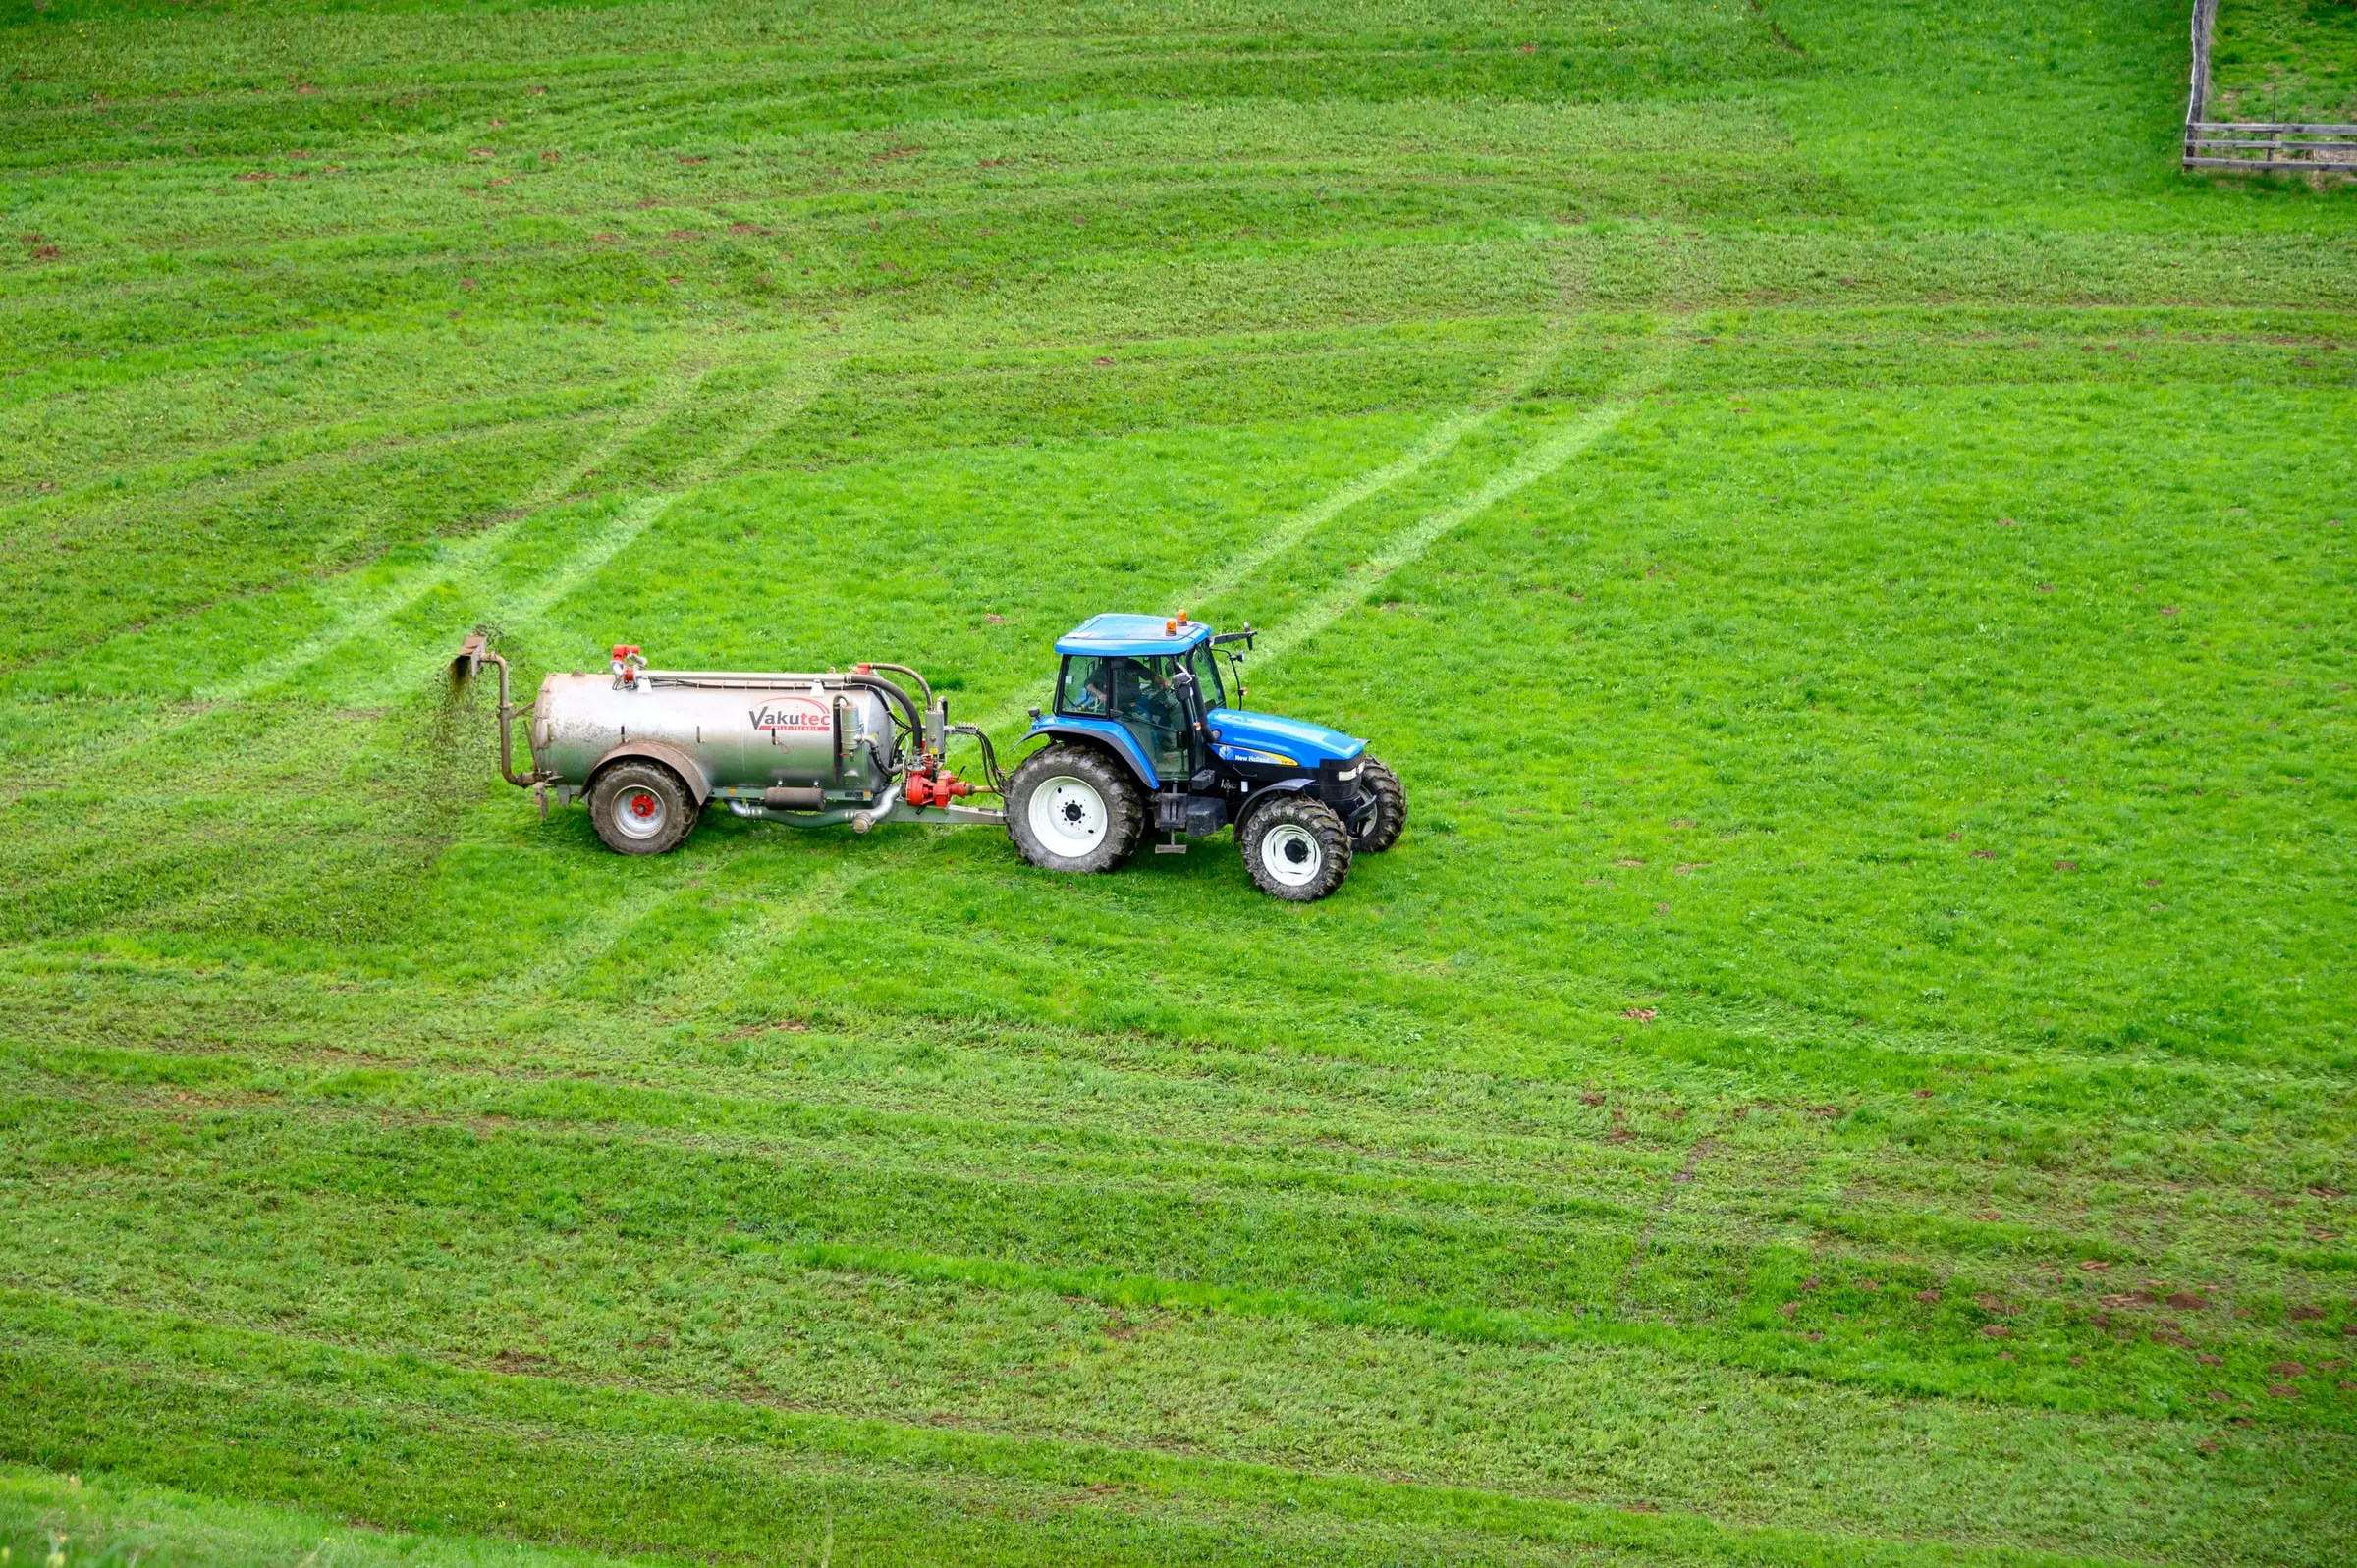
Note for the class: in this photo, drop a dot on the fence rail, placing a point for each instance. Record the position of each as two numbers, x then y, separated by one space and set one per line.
2256 146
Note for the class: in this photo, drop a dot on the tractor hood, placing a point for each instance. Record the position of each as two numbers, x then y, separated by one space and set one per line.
1289 741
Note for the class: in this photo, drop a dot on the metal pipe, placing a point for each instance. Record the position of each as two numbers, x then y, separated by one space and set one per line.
922 684
507 727
476 651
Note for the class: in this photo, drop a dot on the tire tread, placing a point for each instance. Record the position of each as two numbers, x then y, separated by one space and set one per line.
1125 807
1302 811
1391 811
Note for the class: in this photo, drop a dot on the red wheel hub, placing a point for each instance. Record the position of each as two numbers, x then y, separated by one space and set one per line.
643 804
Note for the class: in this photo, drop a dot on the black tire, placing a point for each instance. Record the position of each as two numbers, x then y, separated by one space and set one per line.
1089 812
1295 848
640 808
1390 809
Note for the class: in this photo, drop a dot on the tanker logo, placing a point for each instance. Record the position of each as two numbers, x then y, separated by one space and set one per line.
795 715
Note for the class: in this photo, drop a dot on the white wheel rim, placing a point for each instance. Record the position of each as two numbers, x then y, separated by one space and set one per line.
1069 816
1292 854
639 812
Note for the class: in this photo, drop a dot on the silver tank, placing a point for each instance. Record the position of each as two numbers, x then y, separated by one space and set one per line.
746 734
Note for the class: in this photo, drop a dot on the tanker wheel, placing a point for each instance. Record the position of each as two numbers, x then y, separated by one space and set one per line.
1073 808
640 808
1390 809
1295 848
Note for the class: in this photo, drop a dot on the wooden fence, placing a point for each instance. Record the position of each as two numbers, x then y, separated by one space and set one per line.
2256 146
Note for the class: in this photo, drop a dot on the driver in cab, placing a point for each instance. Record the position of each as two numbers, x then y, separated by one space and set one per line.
1122 688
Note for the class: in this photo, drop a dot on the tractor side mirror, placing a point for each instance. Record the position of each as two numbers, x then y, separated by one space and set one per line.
1184 682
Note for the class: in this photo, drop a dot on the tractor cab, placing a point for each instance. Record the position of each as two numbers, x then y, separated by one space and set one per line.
1123 672
1146 702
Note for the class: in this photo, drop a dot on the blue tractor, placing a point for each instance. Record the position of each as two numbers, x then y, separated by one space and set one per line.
1142 737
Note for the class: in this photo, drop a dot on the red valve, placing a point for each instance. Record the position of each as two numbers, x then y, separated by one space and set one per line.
622 650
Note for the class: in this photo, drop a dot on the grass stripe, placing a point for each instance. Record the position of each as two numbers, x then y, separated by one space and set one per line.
112 1521
457 562
1529 1278
406 1442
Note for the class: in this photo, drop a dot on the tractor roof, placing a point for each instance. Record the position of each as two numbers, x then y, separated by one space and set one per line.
1137 635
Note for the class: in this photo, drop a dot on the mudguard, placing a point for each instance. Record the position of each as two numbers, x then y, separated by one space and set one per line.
1115 737
689 771
1353 813
1263 793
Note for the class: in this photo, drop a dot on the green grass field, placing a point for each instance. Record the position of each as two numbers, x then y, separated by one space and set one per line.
2286 60
1849 548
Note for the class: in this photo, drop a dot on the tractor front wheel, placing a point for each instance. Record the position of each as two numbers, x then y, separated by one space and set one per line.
1390 809
1073 808
1295 848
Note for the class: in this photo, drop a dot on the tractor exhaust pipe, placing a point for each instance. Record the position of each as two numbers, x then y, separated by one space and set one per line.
475 653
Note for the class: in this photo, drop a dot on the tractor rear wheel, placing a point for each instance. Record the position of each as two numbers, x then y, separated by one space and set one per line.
1073 808
1390 809
1295 848
640 808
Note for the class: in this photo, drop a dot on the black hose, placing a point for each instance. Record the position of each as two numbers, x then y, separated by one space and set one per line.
990 756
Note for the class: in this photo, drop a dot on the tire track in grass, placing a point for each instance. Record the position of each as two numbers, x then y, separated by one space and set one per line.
1441 439
778 923
1642 1245
182 494
1410 544
397 675
798 387
372 610
1435 444
467 563
462 559
726 877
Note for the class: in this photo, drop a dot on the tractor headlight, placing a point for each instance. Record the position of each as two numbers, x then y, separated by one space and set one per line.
1347 775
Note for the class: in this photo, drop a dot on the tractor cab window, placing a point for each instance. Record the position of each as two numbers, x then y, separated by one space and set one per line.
1122 688
1136 692
1206 666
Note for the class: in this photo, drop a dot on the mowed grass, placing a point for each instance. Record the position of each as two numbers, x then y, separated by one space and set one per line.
1848 549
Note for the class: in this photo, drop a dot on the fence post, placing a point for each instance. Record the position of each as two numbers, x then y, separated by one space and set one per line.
2197 100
